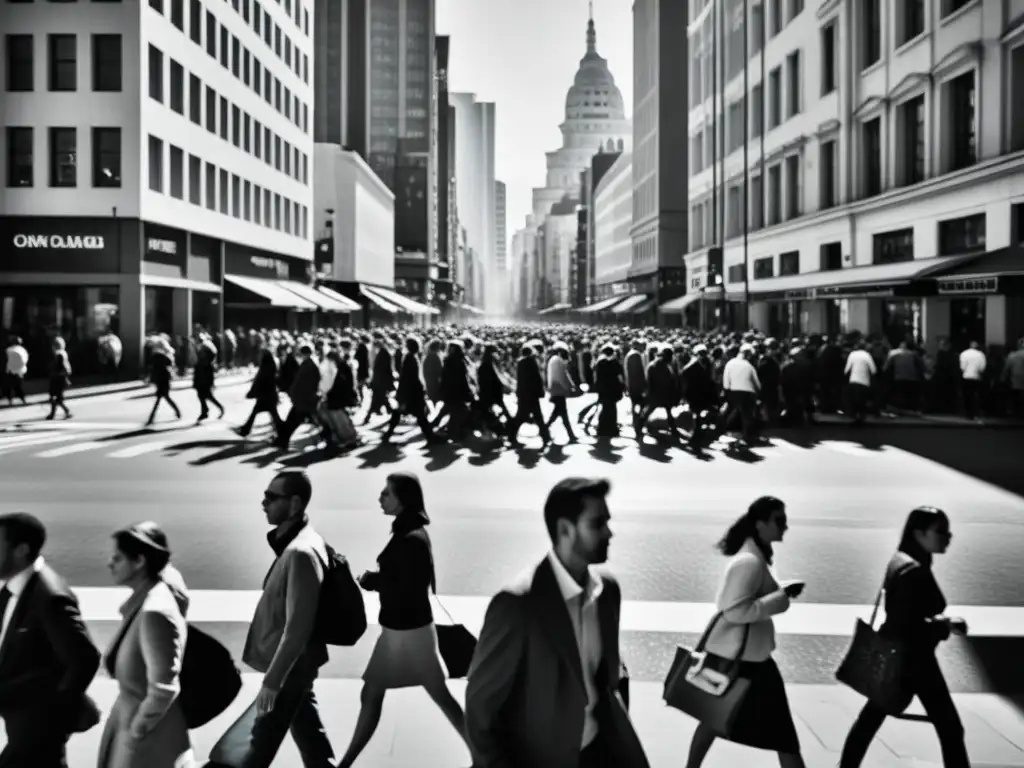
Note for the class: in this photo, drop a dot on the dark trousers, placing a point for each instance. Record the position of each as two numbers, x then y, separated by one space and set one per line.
295 711
596 755
14 387
30 746
296 416
263 407
858 396
971 391
529 408
57 401
645 415
560 410
156 404
378 400
205 398
745 403
931 689
418 410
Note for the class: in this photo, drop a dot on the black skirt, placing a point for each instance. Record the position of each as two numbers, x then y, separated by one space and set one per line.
764 720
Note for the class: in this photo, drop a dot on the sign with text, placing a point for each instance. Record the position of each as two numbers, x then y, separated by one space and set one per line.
969 285
61 242
72 244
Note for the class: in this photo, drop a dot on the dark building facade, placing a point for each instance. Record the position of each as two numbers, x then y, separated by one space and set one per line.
447 222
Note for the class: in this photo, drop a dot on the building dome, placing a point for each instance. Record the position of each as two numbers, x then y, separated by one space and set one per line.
594 95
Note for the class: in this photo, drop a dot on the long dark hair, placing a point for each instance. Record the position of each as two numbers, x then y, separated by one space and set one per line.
407 489
745 527
920 519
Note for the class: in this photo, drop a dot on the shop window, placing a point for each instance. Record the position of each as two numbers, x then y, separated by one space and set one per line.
156 164
106 157
831 257
764 268
63 157
20 157
156 74
20 63
63 62
893 247
106 63
962 235
789 263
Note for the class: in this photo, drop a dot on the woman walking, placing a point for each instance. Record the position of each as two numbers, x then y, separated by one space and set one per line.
146 727
914 607
263 391
406 653
204 376
60 378
748 597
160 364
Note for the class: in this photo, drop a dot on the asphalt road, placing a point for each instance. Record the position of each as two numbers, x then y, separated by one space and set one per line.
848 492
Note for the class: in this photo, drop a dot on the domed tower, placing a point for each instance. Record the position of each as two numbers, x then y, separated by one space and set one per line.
595 118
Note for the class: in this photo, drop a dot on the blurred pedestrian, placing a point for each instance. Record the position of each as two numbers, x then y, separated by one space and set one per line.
60 378
161 363
15 371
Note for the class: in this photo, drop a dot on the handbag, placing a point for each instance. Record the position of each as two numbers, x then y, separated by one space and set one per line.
874 666
456 645
708 687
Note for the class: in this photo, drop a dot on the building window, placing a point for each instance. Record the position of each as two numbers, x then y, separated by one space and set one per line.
789 263
177 87
796 7
774 195
952 6
195 100
871 145
962 121
223 118
829 174
246 203
257 204
211 35
63 157
793 69
157 5
223 191
774 17
63 62
828 58
756 203
910 20
894 247
1016 98
732 211
178 14
236 126
156 74
774 98
912 138
20 63
195 21
177 158
756 110
737 273
223 48
195 180
792 186
764 267
156 164
211 110
106 63
830 257
211 187
964 235
20 157
236 197
106 157
871 32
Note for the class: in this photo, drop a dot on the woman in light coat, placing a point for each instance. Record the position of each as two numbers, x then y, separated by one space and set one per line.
748 597
146 727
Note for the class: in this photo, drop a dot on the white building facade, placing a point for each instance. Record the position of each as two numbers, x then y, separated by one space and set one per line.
613 218
176 134
559 239
886 161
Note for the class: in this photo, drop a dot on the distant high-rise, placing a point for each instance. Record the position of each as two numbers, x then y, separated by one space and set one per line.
501 237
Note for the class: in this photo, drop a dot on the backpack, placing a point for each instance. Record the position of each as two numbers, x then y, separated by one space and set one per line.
209 679
340 614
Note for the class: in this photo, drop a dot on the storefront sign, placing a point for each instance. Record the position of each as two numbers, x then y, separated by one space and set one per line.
263 262
156 245
61 242
972 285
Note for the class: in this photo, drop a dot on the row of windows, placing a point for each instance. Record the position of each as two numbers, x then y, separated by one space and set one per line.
222 118
218 190
62 63
62 157
910 24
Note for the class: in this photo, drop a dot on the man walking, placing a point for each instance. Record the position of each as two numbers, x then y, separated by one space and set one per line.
281 642
542 687
47 659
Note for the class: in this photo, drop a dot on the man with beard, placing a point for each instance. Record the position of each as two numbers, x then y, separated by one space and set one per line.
523 707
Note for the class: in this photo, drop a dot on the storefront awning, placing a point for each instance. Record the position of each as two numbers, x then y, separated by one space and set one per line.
314 296
632 302
679 304
378 302
271 291
602 305
471 309
404 303
559 307
1003 262
647 306
353 306
830 283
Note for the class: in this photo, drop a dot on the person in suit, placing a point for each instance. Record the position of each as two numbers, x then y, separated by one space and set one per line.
305 396
146 727
412 398
914 613
47 659
748 596
542 689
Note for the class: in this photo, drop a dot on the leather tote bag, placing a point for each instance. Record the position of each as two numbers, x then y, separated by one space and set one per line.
706 686
456 645
874 666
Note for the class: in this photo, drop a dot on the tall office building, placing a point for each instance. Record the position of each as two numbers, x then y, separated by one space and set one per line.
500 236
447 212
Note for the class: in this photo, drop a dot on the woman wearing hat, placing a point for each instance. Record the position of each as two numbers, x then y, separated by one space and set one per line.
406 653
146 727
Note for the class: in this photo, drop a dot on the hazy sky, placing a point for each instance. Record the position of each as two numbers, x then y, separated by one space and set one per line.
523 55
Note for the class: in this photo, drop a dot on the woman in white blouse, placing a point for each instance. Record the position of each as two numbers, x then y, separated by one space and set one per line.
748 597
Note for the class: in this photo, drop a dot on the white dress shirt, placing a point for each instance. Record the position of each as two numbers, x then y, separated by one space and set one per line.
16 585
582 606
740 376
972 364
17 360
860 367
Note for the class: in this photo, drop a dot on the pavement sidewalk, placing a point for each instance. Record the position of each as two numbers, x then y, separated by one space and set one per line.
414 734
94 387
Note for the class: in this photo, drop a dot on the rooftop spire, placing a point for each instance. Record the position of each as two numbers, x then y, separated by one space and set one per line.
591 32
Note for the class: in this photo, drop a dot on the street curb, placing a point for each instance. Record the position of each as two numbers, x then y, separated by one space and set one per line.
227 380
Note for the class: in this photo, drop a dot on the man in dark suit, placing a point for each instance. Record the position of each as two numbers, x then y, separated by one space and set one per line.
47 659
542 689
304 393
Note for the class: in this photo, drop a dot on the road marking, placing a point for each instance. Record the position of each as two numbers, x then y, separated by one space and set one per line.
835 620
136 450
66 450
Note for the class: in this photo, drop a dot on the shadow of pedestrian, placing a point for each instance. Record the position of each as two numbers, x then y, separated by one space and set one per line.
604 450
380 454
656 451
739 452
556 455
442 456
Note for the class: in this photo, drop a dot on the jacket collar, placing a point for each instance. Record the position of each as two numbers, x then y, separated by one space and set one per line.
17 583
285 533
567 585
